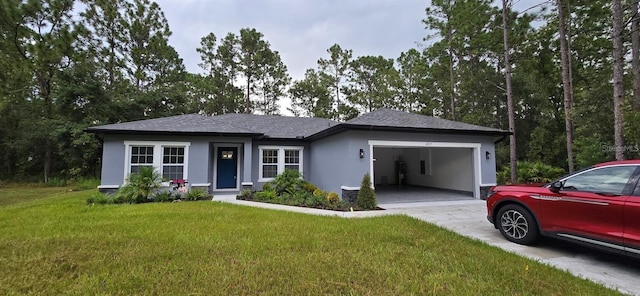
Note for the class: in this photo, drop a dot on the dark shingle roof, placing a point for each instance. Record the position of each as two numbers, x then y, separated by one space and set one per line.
286 127
278 126
393 118
238 124
190 123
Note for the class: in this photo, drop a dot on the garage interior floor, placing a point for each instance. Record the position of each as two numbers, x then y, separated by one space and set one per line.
408 194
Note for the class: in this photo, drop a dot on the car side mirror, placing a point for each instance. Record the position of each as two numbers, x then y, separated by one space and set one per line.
555 187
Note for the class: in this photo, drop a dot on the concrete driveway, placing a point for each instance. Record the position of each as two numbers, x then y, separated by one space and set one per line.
468 218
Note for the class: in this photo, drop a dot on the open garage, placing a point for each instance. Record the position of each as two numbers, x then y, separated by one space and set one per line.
424 171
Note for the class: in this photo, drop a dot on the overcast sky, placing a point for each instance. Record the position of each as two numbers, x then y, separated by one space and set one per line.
301 30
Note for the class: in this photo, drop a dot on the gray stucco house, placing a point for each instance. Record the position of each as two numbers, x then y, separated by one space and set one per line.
227 153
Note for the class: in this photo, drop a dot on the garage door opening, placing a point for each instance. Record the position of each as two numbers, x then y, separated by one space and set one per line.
405 172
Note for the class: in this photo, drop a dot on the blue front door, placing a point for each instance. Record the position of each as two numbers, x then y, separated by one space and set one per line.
227 167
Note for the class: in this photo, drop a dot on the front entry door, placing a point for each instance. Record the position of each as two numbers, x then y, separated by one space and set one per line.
227 168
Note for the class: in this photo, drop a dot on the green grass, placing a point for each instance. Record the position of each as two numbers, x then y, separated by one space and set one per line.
53 243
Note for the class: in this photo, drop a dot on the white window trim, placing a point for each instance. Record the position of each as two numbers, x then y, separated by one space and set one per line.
280 163
157 156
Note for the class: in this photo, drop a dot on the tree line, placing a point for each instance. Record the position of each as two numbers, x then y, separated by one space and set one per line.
570 90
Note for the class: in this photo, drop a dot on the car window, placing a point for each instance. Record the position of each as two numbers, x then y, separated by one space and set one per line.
636 190
603 180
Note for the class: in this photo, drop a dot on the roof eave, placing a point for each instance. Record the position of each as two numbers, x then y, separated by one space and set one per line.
172 133
347 126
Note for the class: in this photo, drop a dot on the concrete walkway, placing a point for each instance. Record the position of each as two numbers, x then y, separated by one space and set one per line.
468 218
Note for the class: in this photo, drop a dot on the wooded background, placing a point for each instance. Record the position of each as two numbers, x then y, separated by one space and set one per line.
573 75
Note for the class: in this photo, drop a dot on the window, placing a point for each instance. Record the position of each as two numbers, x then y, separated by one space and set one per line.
269 163
606 180
227 154
169 158
292 159
173 163
274 160
141 156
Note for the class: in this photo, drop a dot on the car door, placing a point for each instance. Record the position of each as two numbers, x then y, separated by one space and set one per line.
632 220
590 205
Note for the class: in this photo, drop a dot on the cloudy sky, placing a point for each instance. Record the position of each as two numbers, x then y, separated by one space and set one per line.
301 30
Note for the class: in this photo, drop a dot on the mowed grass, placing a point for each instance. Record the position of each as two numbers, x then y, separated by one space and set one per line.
54 243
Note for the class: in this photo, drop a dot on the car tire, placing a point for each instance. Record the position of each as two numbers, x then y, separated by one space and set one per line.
517 224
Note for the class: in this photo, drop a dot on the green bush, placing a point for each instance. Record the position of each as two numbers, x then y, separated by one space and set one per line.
164 196
126 194
531 172
366 196
320 192
266 195
289 180
246 194
197 194
266 186
309 187
100 199
140 186
312 201
333 198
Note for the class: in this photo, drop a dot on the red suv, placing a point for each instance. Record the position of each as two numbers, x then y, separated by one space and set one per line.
598 206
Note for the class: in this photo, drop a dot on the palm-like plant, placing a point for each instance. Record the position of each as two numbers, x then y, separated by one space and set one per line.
140 186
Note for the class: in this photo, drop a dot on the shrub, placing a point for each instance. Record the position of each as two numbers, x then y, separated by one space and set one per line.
366 196
266 195
126 194
100 199
320 192
531 172
266 186
164 196
313 201
333 198
289 180
197 194
309 187
246 194
140 186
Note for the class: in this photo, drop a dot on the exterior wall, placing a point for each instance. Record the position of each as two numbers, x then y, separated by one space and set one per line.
255 159
112 161
335 161
200 163
331 163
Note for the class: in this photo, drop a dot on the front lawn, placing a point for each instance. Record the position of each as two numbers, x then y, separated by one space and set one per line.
57 244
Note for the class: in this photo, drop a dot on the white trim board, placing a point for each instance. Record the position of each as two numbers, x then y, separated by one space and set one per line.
349 188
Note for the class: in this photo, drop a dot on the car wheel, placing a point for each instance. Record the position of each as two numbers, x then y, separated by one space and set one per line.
517 225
